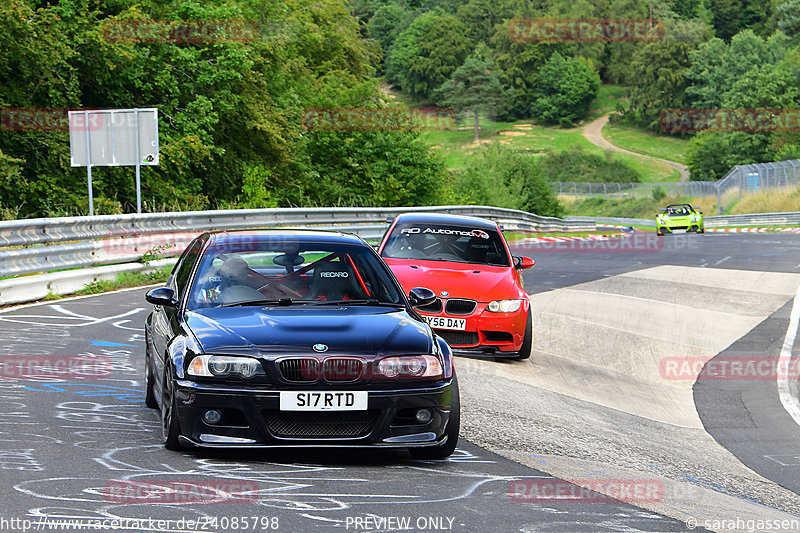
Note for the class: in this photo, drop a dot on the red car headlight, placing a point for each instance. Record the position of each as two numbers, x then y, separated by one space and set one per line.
504 306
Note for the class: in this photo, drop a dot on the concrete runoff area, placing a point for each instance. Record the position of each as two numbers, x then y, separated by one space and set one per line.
604 343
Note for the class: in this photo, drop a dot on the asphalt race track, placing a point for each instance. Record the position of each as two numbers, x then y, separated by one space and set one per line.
596 405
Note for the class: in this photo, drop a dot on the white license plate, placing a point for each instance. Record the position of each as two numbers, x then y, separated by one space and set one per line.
443 322
679 231
324 401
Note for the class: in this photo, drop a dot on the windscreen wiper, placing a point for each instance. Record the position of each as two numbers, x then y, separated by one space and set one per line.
366 301
271 301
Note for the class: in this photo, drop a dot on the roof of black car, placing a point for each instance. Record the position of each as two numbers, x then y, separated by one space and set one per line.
288 234
453 220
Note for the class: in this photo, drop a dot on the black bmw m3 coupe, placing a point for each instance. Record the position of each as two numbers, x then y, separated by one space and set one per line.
290 338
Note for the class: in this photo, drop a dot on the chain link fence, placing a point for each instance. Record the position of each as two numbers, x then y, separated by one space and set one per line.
740 180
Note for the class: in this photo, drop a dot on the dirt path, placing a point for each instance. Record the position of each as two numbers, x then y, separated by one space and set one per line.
593 132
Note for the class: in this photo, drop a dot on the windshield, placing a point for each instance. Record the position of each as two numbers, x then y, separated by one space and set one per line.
434 242
678 211
286 273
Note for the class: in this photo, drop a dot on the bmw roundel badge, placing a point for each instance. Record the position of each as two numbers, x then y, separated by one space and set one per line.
445 293
320 347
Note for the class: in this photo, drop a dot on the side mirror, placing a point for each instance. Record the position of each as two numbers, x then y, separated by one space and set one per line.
523 263
420 297
163 296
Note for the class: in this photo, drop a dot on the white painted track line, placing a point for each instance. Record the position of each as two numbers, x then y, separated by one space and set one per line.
787 400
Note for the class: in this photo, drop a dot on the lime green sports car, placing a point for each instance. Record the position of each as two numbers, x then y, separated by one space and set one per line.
679 218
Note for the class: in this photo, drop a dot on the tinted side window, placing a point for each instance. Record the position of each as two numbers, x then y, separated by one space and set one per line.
183 269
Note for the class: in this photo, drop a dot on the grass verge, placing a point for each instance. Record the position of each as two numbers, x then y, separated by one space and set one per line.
647 142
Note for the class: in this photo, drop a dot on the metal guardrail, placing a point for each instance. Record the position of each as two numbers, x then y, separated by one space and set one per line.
117 243
48 244
759 219
762 219
617 221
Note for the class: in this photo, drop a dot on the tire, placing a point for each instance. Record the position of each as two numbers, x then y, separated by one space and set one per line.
443 451
169 415
149 382
527 341
149 386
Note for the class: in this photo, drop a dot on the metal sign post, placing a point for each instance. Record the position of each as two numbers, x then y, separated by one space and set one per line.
138 180
89 163
114 137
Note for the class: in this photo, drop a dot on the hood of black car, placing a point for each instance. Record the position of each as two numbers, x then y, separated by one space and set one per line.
272 332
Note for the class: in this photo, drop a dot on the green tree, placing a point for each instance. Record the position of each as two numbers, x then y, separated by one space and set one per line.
726 17
502 177
566 88
575 164
518 65
387 23
658 80
708 156
231 113
474 87
383 168
406 49
442 48
788 15
480 17
766 87
716 66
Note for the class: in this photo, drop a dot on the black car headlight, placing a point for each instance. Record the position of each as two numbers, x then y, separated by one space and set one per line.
410 367
211 366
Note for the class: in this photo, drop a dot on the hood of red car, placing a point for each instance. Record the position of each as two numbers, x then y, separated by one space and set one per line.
483 283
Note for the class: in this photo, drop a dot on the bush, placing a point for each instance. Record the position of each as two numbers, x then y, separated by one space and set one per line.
566 89
503 177
575 164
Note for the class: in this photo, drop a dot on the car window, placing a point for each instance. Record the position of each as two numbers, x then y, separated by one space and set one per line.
183 268
302 273
433 242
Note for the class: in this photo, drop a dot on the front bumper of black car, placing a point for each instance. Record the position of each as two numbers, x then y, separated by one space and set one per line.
251 418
